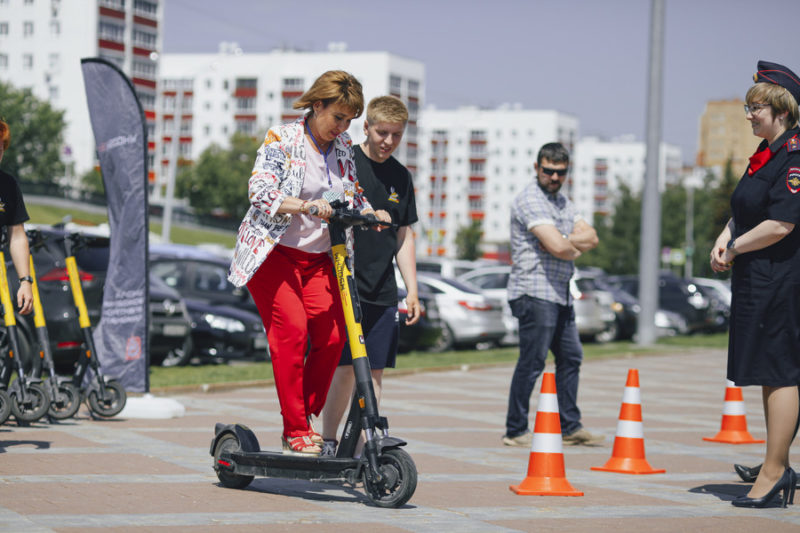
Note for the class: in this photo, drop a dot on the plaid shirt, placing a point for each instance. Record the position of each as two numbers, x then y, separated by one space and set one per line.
534 271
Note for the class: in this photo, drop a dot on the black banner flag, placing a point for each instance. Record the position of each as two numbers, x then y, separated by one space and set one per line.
121 136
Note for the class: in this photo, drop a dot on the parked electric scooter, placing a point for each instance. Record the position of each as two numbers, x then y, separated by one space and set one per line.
105 396
65 398
29 401
388 473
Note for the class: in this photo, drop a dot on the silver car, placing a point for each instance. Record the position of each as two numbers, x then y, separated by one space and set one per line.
469 317
594 316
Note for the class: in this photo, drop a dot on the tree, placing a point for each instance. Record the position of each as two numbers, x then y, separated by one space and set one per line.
219 178
37 133
618 250
93 181
468 239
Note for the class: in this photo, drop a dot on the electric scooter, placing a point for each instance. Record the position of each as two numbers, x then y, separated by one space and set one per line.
388 473
28 397
105 396
65 398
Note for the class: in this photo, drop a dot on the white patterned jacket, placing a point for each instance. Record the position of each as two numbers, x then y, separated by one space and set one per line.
278 172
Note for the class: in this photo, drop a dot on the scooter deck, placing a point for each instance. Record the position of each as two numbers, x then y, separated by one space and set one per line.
277 464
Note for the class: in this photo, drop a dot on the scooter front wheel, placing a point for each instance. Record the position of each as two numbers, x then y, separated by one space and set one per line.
399 479
5 406
113 401
228 443
33 407
66 402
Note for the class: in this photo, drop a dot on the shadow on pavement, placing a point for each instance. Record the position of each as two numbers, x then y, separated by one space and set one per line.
39 444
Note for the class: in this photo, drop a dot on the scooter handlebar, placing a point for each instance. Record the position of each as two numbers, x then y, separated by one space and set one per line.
351 217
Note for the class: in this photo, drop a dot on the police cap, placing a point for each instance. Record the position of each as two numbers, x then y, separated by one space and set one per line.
779 75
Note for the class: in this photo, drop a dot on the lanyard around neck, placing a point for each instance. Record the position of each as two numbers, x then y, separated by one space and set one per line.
324 155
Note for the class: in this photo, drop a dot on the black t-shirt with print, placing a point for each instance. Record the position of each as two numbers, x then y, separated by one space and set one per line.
387 186
12 208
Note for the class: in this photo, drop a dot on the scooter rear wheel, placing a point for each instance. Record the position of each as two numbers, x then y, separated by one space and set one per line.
34 408
114 402
5 406
66 403
400 479
229 443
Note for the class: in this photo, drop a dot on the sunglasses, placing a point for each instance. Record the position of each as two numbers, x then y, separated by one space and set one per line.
561 172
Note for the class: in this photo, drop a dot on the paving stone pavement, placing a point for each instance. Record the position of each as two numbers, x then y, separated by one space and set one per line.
155 475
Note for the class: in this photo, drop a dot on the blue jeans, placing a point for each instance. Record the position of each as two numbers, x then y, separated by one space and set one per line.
545 325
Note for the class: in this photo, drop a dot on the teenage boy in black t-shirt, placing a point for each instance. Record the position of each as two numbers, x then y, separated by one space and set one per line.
387 185
12 216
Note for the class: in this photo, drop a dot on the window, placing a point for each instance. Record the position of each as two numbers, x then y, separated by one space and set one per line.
288 101
53 91
395 83
246 83
3 28
111 31
27 61
246 127
27 28
144 68
53 61
3 61
413 87
55 27
145 7
245 104
144 39
292 84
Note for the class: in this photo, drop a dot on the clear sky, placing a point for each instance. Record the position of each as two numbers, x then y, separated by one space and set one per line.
583 57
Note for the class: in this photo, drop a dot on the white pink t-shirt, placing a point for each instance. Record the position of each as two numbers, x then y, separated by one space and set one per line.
309 233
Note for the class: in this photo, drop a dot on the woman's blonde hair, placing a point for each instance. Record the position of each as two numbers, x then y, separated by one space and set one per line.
5 135
778 98
334 87
387 109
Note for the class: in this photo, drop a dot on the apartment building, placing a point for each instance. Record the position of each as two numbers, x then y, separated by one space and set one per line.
725 134
205 98
43 41
472 163
601 166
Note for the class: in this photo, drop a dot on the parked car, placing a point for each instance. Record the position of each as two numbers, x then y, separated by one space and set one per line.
169 322
677 295
452 268
594 316
225 321
168 314
469 317
425 334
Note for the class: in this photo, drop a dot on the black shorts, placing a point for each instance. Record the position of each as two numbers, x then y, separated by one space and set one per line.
380 326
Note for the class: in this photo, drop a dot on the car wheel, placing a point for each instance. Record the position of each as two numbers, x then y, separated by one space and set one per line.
180 356
609 334
445 342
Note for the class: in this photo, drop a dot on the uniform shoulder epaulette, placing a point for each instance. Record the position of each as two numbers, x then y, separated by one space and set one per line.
793 145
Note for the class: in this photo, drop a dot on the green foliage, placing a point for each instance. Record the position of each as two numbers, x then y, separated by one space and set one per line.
37 132
618 250
93 181
218 179
468 239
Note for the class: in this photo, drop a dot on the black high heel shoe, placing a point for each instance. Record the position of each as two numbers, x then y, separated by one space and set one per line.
747 473
785 484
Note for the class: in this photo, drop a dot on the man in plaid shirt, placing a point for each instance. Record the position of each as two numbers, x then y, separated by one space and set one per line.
547 235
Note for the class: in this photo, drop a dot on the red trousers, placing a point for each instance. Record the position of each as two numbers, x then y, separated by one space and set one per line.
298 298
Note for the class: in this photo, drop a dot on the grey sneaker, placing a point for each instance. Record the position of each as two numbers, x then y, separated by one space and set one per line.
582 437
329 448
520 440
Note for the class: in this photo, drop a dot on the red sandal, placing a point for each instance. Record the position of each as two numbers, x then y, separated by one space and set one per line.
300 446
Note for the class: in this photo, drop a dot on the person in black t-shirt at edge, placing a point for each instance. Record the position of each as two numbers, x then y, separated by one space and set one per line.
12 216
387 185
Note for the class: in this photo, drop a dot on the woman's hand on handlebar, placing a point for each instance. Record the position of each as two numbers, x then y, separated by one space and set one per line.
318 208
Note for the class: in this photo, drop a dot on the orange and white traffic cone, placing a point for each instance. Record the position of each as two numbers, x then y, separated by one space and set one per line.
627 457
546 475
734 421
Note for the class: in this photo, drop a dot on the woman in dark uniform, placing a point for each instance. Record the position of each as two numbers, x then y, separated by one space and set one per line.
762 244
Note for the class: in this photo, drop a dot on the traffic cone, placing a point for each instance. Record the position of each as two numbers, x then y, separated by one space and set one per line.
546 461
734 421
627 457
